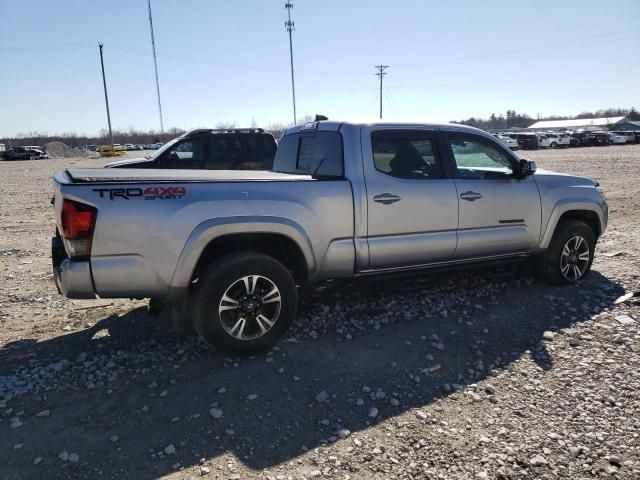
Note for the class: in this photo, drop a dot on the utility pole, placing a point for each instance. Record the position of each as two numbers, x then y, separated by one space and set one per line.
106 98
289 26
155 64
381 73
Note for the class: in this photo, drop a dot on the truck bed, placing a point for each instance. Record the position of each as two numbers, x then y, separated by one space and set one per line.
123 175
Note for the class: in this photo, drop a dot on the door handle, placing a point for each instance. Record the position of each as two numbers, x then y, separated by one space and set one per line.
470 196
386 198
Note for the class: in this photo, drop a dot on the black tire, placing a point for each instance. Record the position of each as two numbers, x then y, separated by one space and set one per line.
554 145
566 231
228 274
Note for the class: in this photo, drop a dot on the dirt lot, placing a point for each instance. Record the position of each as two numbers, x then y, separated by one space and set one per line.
483 374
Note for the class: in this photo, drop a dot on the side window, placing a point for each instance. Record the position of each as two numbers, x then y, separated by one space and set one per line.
477 158
224 152
318 153
406 155
188 150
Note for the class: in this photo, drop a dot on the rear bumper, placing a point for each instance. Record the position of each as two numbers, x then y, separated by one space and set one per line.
73 278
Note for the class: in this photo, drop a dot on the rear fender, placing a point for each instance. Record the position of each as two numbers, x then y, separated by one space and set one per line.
211 229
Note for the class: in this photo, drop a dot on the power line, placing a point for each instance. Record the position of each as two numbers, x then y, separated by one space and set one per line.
380 74
517 80
289 25
155 64
553 46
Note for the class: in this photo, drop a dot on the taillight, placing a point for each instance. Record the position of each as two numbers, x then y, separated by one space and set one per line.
77 223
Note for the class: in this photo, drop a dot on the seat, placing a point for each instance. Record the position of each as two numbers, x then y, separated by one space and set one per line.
407 162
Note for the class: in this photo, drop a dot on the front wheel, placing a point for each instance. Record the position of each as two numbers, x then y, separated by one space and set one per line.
570 253
554 145
245 303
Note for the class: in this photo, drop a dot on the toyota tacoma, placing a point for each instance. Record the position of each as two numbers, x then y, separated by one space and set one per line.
228 249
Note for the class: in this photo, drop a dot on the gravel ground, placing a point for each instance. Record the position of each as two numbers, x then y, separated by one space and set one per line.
483 374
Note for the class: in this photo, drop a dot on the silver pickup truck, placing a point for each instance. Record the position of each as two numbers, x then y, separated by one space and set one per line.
344 199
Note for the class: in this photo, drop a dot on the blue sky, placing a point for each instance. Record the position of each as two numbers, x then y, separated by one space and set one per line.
228 61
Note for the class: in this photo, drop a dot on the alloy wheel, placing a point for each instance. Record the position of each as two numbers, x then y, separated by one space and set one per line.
250 307
574 259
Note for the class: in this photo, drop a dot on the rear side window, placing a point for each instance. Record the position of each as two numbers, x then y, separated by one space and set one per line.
410 155
223 147
310 153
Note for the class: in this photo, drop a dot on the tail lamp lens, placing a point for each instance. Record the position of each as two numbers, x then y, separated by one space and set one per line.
77 224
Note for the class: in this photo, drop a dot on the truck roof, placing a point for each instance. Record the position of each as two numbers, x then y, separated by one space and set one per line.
335 125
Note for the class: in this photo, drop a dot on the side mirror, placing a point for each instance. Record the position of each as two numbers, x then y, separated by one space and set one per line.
527 167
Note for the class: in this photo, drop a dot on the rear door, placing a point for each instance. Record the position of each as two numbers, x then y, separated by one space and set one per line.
499 213
223 152
411 199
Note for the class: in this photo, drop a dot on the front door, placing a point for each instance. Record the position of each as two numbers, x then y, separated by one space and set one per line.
412 205
186 154
499 213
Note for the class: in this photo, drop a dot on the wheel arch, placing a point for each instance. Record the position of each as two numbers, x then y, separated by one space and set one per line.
278 237
584 211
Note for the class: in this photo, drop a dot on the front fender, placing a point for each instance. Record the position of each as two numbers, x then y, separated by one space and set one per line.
573 204
211 229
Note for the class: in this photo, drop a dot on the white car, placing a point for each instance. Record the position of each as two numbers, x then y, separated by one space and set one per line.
629 136
544 141
616 139
508 141
129 146
557 140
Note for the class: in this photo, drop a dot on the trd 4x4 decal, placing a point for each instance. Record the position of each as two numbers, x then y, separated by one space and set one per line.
148 193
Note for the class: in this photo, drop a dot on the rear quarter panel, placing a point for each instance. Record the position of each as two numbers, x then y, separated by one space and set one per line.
138 242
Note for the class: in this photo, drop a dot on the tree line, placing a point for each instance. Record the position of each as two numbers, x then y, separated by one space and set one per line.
494 122
134 136
517 120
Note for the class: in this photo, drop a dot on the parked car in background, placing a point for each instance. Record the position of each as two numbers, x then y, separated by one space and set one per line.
583 138
526 141
599 138
508 141
24 153
629 135
558 140
111 150
129 147
573 141
237 149
543 141
616 139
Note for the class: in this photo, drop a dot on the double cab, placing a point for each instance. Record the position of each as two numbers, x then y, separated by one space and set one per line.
228 249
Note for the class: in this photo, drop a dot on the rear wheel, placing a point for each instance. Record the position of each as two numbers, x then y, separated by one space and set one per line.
554 145
570 253
245 303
